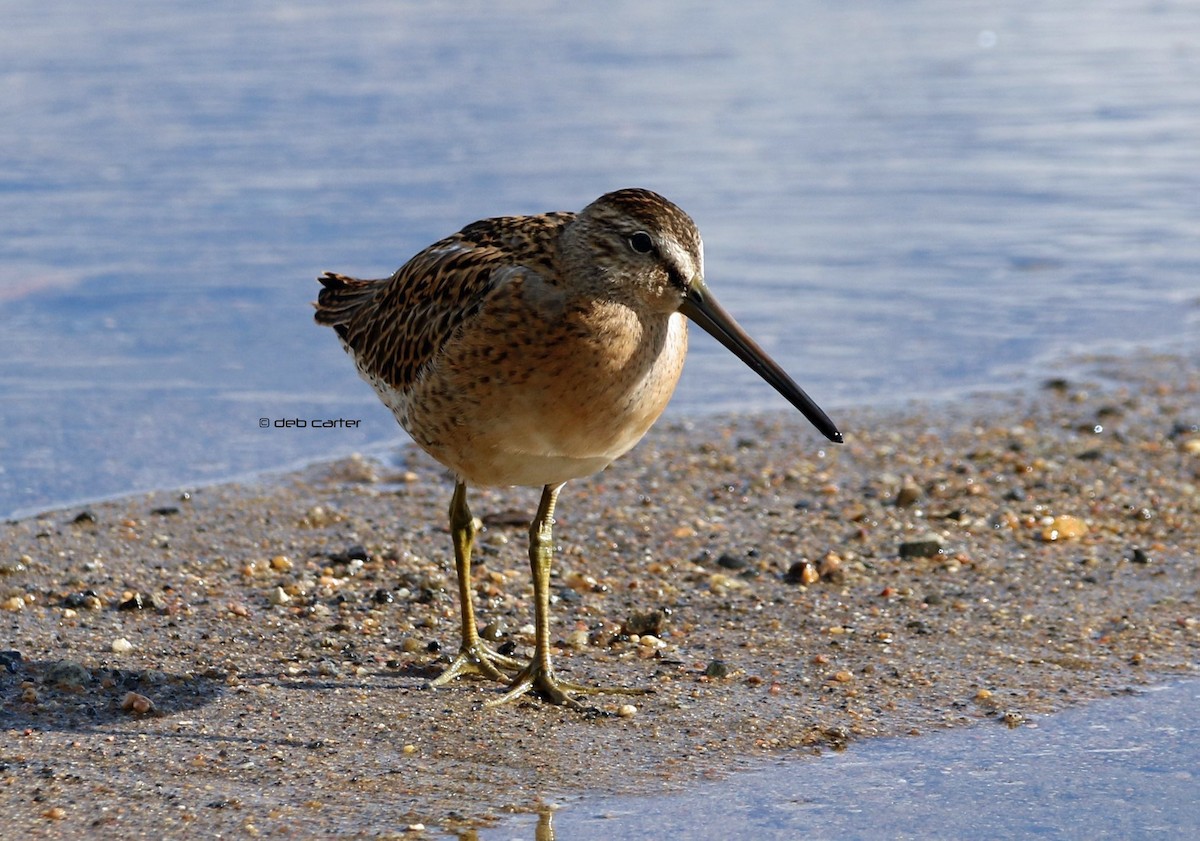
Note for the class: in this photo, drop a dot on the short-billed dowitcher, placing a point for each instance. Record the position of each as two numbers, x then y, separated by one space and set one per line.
530 350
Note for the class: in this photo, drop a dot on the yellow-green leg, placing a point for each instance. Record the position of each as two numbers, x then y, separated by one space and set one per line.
538 676
474 656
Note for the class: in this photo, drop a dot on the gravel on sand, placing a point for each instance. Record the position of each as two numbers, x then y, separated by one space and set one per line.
250 658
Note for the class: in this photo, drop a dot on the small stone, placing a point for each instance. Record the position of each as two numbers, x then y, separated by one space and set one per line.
165 510
13 603
627 711
1139 556
356 552
382 596
278 596
1013 718
137 704
802 572
493 631
138 601
67 674
729 561
10 660
925 546
843 676
830 568
1065 527
644 622
908 494
121 646
281 563
577 640
84 517
716 669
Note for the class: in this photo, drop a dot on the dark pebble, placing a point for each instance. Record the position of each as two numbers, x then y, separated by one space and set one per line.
66 673
139 601
10 660
84 516
1015 495
644 622
568 596
382 596
928 546
353 553
165 510
795 573
507 648
77 600
717 669
728 561
1139 556
433 647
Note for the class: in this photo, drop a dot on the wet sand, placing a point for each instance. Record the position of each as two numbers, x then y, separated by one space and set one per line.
250 658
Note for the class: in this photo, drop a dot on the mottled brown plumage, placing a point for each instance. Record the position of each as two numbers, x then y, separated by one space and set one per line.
530 350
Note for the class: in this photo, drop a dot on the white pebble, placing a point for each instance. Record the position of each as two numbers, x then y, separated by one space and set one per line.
121 646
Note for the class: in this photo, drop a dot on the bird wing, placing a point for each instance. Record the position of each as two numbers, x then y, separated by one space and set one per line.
396 326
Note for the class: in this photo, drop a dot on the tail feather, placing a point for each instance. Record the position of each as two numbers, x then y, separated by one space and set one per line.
340 298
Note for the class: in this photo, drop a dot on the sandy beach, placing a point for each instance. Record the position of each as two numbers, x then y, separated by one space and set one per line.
250 659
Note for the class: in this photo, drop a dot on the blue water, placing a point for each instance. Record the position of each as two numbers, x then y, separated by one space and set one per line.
1117 769
898 199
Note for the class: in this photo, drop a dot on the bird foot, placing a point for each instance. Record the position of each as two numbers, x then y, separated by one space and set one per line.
478 659
541 681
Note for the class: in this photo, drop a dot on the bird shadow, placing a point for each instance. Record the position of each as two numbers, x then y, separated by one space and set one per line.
66 695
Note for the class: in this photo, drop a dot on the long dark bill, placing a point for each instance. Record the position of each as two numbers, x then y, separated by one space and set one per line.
701 307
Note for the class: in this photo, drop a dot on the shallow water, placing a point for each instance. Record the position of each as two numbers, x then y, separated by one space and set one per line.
1119 768
913 199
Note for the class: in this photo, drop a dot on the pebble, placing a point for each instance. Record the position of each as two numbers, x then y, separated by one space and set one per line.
925 546
730 561
909 494
644 622
493 631
716 669
67 674
138 704
1065 527
10 660
802 572
121 646
627 711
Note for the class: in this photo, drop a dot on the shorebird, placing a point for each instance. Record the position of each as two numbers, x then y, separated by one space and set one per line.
532 350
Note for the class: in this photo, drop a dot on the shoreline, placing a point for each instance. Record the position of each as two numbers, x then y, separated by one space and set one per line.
949 565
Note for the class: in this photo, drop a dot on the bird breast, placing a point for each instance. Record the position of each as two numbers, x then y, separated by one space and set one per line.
538 389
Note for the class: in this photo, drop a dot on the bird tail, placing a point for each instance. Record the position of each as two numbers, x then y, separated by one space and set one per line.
340 299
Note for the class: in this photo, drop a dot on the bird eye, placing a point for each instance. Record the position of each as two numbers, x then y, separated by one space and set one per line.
641 242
